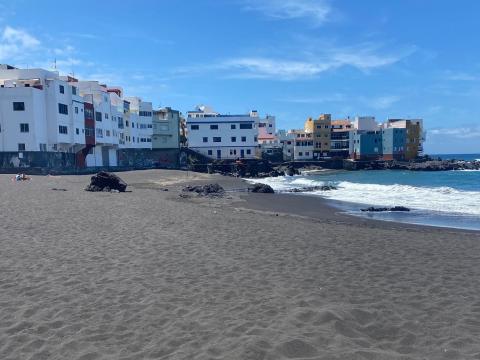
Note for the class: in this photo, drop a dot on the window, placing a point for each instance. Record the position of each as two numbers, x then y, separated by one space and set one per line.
194 127
76 109
21 147
106 116
244 138
233 126
74 90
107 132
99 133
213 127
300 153
88 113
63 109
24 128
249 151
205 139
62 89
234 139
77 131
18 106
62 129
43 147
217 139
145 113
210 152
307 153
245 126
126 123
269 125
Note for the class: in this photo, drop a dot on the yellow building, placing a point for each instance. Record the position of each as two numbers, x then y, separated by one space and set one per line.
322 135
308 126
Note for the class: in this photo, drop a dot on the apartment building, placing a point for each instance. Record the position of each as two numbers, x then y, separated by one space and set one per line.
106 125
221 136
141 123
340 138
366 145
286 141
394 142
303 144
39 111
414 135
166 129
322 135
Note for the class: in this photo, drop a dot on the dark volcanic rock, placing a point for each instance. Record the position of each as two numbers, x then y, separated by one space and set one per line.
105 181
206 190
381 209
262 188
312 188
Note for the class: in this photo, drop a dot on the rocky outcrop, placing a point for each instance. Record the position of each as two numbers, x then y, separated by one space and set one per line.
311 188
212 190
262 188
106 182
383 209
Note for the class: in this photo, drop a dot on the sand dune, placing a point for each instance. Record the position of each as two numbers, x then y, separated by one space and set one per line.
149 275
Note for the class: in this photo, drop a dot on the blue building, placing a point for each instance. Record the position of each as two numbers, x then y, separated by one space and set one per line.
366 145
394 143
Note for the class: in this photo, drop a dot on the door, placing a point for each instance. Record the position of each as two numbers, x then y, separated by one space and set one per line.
219 154
242 153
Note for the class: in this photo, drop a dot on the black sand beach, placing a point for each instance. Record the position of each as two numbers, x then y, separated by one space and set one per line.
150 275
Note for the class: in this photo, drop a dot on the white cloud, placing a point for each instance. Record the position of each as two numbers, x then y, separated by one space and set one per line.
318 11
11 35
363 57
461 76
464 132
318 99
15 43
382 102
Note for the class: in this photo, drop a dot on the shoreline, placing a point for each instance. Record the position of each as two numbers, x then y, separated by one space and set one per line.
320 209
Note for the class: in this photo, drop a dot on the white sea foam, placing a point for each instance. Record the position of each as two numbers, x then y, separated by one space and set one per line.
441 199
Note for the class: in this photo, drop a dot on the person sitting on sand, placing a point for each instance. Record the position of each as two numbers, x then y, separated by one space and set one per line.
21 177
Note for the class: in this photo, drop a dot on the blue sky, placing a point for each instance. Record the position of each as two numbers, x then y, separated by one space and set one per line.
289 58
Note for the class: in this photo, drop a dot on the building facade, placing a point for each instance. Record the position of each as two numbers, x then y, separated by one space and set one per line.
340 138
366 145
394 143
166 129
39 111
322 135
222 136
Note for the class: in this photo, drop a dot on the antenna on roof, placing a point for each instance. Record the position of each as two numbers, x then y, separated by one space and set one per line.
55 63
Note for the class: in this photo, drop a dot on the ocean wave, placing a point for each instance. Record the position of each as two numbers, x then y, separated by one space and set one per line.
439 199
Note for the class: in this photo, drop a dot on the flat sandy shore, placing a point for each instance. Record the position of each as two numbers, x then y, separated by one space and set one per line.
150 275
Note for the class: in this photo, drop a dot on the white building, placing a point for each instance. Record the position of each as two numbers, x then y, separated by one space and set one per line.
141 123
365 123
302 145
286 140
39 112
222 136
106 126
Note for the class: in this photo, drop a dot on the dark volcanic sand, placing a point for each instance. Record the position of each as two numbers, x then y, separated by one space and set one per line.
150 275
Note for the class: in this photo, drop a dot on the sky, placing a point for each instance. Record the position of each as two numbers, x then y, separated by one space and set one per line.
290 58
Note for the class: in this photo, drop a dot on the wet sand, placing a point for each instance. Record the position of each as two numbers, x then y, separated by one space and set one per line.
150 275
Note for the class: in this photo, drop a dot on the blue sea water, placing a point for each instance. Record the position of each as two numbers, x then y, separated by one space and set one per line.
444 198
466 157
